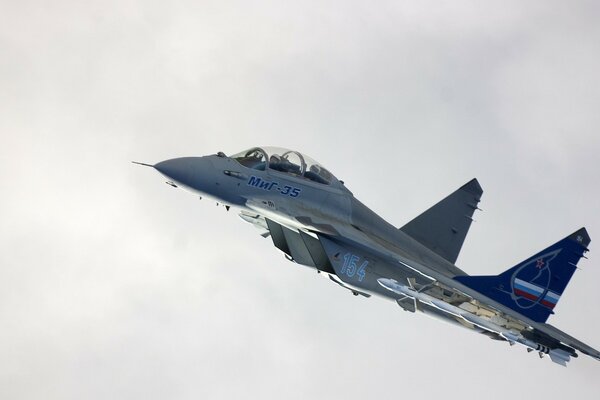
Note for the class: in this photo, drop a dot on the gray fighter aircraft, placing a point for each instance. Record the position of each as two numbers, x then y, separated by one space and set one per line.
316 221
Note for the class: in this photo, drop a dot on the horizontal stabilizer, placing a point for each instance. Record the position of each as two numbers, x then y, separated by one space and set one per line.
443 227
534 286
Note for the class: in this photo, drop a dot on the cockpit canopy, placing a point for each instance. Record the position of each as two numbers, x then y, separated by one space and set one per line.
287 161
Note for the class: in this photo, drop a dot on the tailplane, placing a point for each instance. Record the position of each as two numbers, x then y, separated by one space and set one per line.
534 286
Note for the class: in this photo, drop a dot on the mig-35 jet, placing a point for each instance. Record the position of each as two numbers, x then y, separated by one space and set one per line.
316 221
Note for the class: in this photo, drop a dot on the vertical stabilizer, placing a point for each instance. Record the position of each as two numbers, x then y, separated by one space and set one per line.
534 286
443 227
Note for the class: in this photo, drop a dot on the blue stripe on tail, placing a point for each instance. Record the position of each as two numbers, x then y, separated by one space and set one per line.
534 286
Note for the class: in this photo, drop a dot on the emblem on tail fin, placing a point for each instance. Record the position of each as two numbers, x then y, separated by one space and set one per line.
530 283
534 286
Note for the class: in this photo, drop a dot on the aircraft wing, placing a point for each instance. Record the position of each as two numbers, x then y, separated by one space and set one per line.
317 249
544 331
569 340
527 329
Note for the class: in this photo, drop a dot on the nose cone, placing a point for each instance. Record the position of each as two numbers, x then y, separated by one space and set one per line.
190 172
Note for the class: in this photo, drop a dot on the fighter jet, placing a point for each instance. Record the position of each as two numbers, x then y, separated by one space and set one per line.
315 220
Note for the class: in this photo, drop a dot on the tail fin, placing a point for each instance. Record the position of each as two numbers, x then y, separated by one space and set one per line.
444 226
533 287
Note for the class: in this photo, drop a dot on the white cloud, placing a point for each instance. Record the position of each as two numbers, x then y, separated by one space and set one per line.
112 284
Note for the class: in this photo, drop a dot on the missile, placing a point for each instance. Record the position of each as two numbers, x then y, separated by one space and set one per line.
557 355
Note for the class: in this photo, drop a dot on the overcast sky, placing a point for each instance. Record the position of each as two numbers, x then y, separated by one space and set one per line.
115 285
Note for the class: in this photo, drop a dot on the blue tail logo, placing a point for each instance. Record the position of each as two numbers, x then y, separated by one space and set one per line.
530 283
534 286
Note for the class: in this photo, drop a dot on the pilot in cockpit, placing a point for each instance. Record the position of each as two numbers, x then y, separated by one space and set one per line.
274 161
281 163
